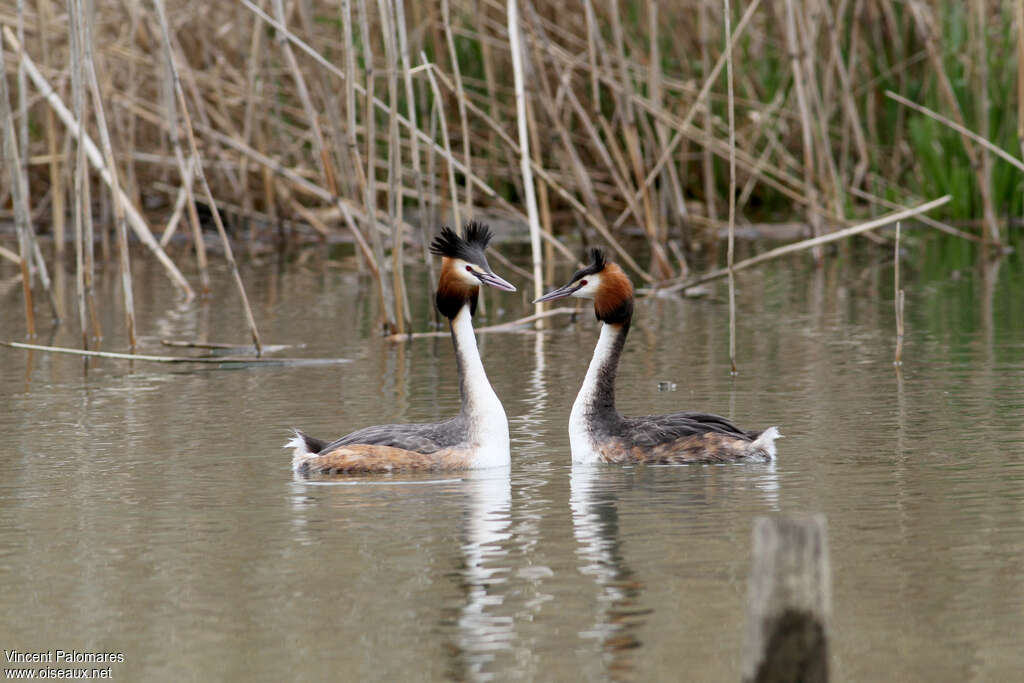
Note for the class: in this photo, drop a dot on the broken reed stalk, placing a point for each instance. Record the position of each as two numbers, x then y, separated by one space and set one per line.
931 222
803 245
510 326
515 42
194 150
220 360
86 39
732 184
963 130
18 191
899 301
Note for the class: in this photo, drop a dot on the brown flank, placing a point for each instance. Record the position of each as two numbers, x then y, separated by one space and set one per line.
363 458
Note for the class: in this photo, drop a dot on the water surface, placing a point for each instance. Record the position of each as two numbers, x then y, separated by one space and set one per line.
150 509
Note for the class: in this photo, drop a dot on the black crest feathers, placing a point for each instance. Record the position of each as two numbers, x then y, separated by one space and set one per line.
478 234
597 264
449 243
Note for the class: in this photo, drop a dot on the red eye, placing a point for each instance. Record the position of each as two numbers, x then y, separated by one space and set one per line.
469 269
583 283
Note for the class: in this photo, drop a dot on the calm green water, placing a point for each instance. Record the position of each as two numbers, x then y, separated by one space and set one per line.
150 510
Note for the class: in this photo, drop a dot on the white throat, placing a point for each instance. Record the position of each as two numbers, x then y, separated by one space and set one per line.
581 439
488 426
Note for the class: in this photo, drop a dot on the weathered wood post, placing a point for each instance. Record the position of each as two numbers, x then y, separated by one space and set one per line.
788 602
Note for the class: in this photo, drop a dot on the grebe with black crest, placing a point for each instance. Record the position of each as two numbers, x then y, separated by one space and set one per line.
475 438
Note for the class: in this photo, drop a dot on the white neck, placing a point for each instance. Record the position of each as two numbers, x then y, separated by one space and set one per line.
488 426
581 440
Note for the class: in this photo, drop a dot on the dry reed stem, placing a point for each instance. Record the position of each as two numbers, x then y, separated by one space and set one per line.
732 185
57 189
980 63
307 102
402 313
124 260
510 326
350 101
849 104
83 203
593 36
803 245
78 97
516 44
460 95
931 222
656 78
1019 15
370 195
807 137
23 146
445 139
539 170
414 145
898 301
11 256
194 150
18 198
707 158
219 360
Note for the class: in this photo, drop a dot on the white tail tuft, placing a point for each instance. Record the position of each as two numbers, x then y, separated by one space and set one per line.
766 442
300 451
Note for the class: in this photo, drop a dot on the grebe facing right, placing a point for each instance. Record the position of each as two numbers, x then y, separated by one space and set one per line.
598 433
475 438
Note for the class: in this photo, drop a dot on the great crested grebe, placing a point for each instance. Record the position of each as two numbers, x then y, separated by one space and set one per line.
475 438
598 433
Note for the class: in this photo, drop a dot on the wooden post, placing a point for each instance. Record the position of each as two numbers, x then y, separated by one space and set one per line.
788 601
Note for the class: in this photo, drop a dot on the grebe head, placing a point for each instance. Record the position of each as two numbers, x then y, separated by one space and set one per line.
464 268
605 283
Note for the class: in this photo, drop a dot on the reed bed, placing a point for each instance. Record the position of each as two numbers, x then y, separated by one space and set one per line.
655 128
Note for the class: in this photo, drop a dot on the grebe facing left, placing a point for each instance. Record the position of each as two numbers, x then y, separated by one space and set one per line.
475 438
598 433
